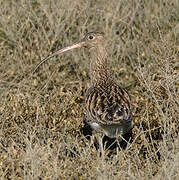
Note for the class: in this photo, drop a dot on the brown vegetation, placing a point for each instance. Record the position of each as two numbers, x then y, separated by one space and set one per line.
41 113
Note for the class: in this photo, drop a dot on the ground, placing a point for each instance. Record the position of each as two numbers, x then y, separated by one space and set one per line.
42 112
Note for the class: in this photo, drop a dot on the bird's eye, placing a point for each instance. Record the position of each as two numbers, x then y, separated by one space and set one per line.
91 37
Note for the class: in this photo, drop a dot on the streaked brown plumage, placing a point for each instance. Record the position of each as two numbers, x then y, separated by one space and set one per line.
108 108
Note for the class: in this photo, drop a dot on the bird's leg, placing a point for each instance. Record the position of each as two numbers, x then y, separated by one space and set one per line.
124 141
99 137
92 141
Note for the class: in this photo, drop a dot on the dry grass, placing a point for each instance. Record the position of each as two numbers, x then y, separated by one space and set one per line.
41 114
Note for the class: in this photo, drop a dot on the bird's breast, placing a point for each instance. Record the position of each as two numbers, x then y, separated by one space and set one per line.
107 105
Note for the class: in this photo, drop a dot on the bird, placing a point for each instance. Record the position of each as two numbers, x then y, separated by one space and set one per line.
108 108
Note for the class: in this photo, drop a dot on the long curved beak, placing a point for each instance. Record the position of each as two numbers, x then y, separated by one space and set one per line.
60 51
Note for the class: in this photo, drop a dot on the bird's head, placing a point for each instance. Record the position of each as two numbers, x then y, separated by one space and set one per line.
90 40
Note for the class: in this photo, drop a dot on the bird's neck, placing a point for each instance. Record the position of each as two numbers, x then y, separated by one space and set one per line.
99 70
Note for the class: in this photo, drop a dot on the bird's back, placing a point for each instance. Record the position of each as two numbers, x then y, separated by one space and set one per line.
108 106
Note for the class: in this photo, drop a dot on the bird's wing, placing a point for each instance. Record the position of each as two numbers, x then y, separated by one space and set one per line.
109 105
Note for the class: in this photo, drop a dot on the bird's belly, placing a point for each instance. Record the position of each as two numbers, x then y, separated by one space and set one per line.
95 126
112 130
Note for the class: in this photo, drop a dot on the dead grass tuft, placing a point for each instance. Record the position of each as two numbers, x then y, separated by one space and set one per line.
41 114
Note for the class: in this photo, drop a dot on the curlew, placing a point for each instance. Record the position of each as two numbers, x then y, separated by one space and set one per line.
107 104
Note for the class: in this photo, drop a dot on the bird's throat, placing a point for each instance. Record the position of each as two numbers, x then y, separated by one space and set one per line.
99 70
